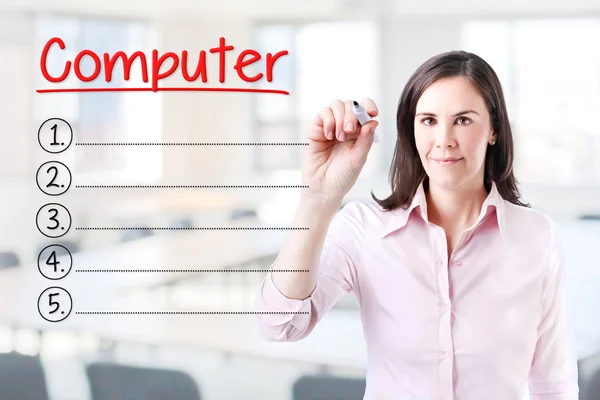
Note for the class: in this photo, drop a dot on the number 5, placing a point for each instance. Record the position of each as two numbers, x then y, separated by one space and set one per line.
50 302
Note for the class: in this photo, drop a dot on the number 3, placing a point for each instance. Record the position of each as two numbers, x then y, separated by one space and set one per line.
53 218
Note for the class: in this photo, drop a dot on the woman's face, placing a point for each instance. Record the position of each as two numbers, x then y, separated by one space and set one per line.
452 132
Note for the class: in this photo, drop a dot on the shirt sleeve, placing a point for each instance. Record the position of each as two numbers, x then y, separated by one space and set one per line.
294 319
553 374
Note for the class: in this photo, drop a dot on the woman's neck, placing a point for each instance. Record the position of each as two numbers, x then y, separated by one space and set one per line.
456 209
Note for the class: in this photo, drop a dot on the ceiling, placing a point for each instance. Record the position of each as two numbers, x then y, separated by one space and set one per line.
313 9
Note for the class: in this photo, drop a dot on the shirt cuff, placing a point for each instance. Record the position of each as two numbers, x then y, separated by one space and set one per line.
272 300
277 301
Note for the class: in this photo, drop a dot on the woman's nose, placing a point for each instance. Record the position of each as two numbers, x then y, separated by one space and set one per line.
444 137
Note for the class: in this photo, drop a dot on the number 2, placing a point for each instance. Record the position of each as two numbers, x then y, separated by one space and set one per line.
54 178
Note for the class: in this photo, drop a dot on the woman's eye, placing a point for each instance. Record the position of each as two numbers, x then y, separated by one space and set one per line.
467 120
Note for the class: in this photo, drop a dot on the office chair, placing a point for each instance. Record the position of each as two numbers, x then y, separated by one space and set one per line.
591 391
328 388
9 259
22 377
180 223
136 234
240 213
589 377
109 381
70 245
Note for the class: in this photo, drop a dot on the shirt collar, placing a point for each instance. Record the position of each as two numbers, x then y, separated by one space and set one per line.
399 216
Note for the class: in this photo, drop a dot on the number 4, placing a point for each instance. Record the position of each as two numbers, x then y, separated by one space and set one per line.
53 261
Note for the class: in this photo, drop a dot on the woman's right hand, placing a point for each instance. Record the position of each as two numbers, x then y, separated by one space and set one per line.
337 150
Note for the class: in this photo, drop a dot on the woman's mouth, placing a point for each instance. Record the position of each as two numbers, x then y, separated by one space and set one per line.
447 161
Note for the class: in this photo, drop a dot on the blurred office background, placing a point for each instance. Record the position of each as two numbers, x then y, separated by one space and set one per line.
545 53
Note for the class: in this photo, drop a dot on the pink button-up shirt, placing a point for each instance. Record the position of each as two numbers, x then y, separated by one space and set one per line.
486 324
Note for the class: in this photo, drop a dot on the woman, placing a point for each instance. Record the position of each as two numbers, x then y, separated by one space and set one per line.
461 285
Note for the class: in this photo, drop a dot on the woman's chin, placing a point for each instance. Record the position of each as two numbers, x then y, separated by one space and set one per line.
448 181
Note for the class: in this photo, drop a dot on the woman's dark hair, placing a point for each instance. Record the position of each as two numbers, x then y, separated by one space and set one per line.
407 172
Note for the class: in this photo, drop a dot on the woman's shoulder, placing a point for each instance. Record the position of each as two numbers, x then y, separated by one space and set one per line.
362 205
530 222
366 212
528 215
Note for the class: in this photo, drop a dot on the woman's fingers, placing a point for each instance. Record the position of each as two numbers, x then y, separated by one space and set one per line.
338 122
338 110
351 125
371 109
328 123
370 106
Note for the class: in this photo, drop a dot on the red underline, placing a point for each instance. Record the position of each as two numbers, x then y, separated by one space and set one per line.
163 89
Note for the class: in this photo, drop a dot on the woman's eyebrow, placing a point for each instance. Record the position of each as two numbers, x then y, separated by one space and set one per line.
455 115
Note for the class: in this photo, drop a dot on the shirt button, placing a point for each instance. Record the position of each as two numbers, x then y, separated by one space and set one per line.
459 263
447 354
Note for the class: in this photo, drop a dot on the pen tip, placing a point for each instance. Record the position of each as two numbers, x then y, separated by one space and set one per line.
355 103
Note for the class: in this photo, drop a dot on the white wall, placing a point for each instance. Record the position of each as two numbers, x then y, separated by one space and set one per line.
202 116
222 116
408 42
304 9
18 65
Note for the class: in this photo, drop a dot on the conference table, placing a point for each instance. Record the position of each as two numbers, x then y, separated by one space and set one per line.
164 203
95 295
336 341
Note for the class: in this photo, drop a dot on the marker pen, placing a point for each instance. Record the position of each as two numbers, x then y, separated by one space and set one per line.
363 117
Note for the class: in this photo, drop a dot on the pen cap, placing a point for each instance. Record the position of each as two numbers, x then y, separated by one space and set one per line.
361 113
363 117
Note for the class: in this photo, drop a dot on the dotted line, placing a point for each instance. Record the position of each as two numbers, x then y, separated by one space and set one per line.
191 144
191 186
188 312
191 270
187 228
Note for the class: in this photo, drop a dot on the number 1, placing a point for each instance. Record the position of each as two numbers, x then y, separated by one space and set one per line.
54 142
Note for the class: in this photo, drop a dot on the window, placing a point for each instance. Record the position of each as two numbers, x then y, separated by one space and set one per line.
551 76
101 116
326 61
